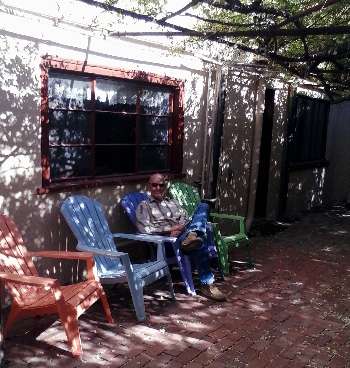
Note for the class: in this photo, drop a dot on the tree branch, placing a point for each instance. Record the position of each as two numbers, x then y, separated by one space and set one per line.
255 7
221 23
174 14
251 33
309 11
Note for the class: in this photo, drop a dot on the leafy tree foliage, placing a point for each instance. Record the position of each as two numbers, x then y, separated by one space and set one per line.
308 38
316 43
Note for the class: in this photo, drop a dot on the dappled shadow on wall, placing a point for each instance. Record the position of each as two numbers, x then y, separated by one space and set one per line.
237 144
37 217
194 130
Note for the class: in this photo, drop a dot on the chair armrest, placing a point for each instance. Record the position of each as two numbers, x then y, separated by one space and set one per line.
124 257
157 239
29 280
102 252
225 216
84 256
145 237
61 255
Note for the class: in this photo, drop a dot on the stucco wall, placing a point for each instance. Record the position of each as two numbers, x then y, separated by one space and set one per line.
235 159
23 41
239 159
338 154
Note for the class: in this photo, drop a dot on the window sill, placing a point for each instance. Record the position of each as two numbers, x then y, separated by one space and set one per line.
307 165
96 183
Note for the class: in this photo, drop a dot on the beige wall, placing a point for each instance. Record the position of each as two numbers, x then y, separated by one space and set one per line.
239 161
235 160
22 44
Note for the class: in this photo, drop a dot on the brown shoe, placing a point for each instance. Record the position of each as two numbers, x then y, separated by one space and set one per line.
191 242
212 292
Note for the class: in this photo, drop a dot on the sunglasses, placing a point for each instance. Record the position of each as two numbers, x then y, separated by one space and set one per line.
155 185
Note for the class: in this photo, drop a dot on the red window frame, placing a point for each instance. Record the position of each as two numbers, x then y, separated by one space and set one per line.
176 131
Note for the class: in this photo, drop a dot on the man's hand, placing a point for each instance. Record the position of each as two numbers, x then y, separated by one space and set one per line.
176 230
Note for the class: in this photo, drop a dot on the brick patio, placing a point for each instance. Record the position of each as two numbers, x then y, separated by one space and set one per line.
293 310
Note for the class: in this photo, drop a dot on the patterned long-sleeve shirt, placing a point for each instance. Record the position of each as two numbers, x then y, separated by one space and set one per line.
155 217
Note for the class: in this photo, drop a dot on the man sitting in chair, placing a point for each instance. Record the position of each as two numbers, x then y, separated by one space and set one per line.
162 215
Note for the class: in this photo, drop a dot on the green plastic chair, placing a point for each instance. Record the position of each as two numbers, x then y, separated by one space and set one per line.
188 198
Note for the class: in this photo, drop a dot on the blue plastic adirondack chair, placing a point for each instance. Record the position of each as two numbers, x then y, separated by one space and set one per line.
87 220
129 203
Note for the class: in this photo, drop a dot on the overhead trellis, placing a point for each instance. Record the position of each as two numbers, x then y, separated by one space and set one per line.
309 39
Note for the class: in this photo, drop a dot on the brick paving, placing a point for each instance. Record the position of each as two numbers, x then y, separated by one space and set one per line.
292 310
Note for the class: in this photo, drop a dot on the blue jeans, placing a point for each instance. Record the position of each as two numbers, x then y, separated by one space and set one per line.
200 256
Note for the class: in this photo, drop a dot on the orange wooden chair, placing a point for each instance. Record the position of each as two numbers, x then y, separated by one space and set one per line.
33 295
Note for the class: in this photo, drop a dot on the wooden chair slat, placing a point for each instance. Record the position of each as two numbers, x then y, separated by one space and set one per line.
68 302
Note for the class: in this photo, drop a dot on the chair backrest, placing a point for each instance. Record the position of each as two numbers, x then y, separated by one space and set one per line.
187 196
86 218
130 202
14 257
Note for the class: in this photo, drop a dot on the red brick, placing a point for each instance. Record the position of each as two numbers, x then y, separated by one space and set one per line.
280 362
322 340
243 344
272 351
249 355
174 350
207 356
139 361
154 349
281 317
219 333
192 365
321 359
259 362
160 361
216 364
261 345
337 362
187 355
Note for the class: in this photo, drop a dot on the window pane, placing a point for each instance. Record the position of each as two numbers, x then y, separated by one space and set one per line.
69 91
154 129
70 162
115 160
155 101
153 158
307 130
114 128
115 95
69 127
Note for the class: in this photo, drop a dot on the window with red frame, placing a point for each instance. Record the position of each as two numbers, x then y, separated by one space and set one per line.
101 127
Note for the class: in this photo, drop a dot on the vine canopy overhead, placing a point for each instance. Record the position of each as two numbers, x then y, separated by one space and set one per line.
309 39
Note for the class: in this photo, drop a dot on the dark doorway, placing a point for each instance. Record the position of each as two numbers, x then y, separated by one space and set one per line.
265 153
